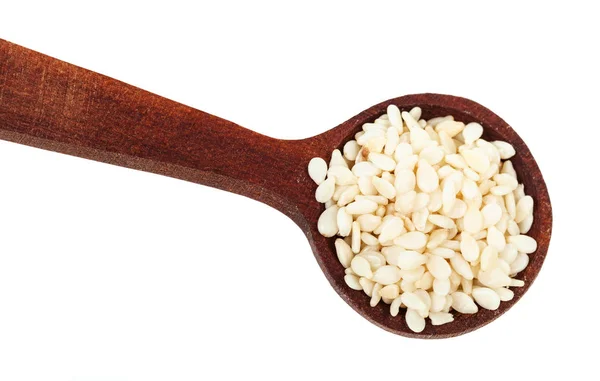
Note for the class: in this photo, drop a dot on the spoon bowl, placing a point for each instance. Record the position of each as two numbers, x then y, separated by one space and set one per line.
50 104
529 174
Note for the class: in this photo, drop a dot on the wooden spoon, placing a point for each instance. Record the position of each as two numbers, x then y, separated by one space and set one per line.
50 104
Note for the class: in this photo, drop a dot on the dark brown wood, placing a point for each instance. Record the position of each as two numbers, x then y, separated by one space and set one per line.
50 104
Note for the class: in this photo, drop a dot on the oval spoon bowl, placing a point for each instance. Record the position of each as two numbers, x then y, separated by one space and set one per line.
529 174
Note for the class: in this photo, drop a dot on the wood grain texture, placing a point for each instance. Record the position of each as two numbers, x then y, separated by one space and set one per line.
50 104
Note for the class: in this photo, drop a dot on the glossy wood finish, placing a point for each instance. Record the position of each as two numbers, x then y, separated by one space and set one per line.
50 104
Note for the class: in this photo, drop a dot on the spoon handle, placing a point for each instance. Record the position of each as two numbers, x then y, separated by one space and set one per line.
53 105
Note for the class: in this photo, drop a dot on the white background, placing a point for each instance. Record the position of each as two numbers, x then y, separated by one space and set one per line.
111 274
